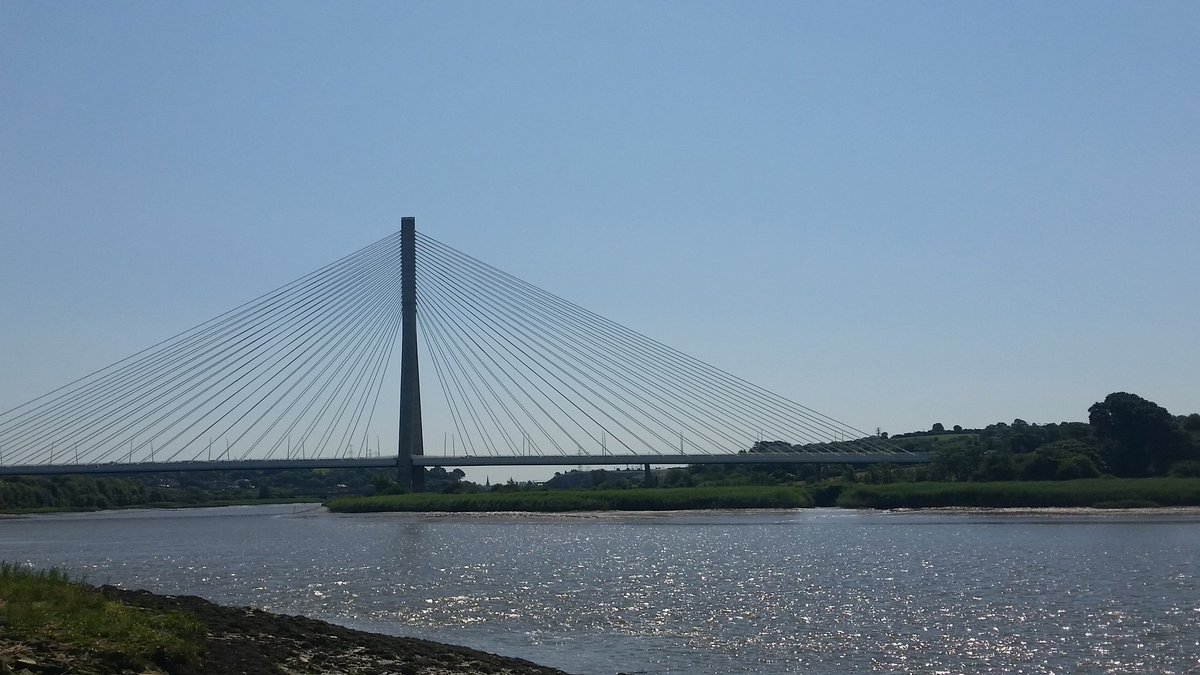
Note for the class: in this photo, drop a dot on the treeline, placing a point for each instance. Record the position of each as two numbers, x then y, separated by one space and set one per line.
26 493
208 488
73 492
1125 436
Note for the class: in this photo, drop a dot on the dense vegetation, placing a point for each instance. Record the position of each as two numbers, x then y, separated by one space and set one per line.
34 493
31 493
210 488
1131 452
1125 436
644 499
1092 492
48 606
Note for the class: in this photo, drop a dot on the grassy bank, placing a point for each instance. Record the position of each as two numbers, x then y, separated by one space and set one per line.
1098 492
48 607
653 499
50 624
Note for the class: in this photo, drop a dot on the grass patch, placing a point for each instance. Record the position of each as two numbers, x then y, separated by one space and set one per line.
1094 492
649 499
49 606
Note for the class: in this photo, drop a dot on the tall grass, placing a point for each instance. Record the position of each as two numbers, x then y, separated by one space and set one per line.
48 605
649 499
1095 492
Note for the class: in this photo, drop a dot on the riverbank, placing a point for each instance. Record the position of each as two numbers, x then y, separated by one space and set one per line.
1087 493
95 631
560 501
1101 493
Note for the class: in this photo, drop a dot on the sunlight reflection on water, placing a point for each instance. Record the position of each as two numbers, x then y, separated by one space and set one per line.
729 592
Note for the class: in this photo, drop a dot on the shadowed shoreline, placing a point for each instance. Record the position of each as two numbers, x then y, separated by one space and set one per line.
249 641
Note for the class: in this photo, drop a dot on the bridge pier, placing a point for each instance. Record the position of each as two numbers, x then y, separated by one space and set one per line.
409 476
411 439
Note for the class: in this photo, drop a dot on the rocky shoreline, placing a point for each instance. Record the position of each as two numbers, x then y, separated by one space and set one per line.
246 641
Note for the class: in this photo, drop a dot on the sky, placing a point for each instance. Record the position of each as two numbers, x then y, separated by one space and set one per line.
896 213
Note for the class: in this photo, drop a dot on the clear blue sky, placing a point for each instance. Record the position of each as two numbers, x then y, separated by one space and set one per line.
895 213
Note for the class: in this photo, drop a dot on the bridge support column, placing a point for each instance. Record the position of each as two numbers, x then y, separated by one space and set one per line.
648 480
411 439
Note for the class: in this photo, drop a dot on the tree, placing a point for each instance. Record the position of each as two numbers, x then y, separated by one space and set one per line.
1139 436
677 477
997 466
1060 460
938 428
955 462
1024 437
383 484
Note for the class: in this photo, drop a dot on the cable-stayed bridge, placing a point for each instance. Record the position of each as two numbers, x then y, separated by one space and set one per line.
305 377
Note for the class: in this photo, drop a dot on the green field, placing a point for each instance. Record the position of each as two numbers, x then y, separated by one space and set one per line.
651 499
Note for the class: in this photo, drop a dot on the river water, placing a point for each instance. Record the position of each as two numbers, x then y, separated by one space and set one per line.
806 591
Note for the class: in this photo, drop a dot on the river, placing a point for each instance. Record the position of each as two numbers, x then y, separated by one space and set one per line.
806 591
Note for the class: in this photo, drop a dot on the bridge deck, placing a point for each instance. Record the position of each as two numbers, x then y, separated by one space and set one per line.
483 460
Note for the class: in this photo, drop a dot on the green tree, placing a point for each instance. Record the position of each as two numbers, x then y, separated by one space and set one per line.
1060 460
1139 436
677 477
954 462
997 466
1023 436
383 484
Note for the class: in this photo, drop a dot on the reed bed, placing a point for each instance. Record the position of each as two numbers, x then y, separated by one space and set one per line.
649 499
1094 492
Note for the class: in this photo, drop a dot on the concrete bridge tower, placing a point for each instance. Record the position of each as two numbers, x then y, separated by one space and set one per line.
411 439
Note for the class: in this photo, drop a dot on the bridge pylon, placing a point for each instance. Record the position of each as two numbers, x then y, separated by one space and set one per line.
529 379
411 439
